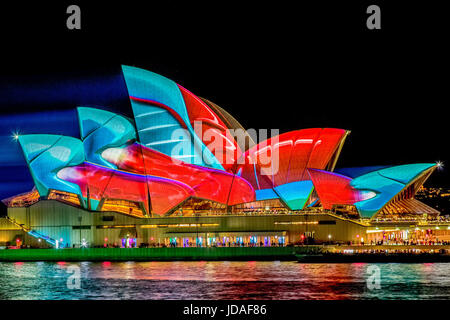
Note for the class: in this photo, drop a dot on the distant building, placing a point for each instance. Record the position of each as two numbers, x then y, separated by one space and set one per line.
438 198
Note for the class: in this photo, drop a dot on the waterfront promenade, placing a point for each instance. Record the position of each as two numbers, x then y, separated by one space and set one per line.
157 254
287 253
389 248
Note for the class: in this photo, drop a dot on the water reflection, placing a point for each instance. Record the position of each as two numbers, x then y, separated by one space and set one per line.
222 280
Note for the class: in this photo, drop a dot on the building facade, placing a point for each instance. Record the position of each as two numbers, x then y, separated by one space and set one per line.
184 172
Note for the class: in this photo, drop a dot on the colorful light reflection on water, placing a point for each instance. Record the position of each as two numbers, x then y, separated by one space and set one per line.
222 280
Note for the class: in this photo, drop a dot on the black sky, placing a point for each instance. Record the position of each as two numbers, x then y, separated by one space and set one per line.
272 65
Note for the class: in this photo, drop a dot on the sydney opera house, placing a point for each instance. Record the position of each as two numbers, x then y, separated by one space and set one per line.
184 172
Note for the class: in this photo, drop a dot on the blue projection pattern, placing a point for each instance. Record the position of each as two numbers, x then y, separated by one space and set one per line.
101 130
47 154
16 177
58 96
386 183
162 120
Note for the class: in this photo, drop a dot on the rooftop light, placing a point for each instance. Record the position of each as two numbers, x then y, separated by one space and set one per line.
15 135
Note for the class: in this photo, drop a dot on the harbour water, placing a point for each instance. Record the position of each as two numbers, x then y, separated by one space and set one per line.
222 280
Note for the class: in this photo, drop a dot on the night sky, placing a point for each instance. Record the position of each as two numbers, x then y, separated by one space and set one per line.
271 66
